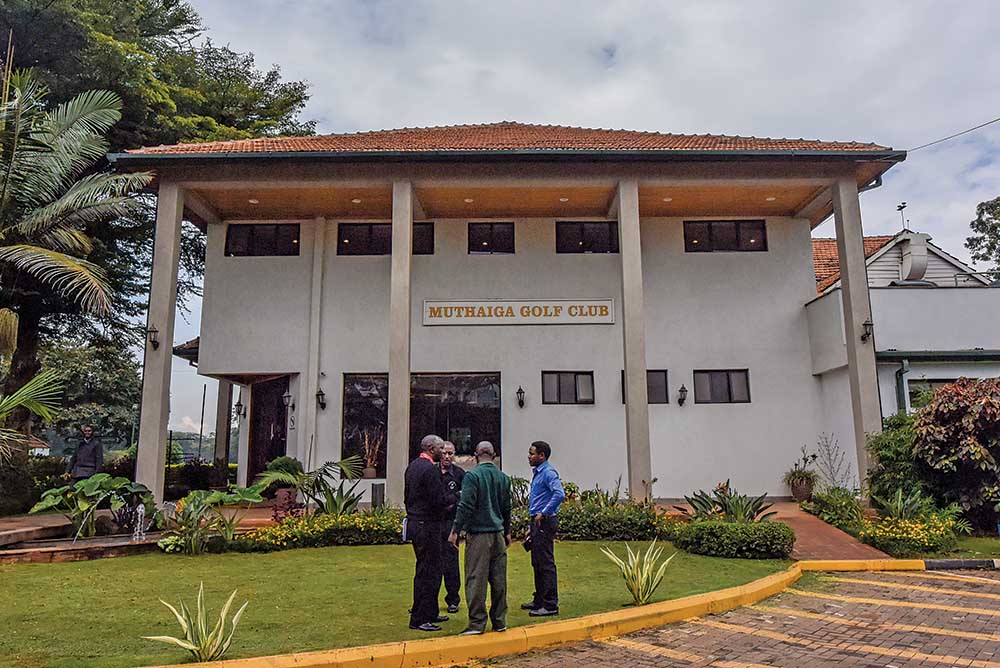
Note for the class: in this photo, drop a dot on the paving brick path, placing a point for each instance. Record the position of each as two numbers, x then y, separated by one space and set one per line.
857 620
815 539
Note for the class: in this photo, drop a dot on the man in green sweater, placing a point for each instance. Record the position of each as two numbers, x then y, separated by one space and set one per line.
484 515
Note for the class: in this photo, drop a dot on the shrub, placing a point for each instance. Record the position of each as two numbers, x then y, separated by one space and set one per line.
642 576
626 521
913 506
520 490
46 472
17 491
206 642
381 526
839 507
893 463
958 446
120 467
758 540
289 465
910 538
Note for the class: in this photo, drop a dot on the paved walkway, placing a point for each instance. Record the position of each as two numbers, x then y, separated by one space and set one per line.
857 620
815 539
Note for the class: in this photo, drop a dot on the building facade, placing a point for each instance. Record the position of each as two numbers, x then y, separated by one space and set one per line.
638 300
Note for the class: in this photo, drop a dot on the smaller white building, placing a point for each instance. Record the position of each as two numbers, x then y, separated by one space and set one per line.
934 319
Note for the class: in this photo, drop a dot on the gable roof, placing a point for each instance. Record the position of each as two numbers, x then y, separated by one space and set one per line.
826 262
508 136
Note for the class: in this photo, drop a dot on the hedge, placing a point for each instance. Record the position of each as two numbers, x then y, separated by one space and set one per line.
625 521
760 540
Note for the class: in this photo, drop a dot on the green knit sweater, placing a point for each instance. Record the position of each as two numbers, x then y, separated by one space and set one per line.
484 506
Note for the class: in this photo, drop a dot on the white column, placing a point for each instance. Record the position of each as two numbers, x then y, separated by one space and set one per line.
243 445
633 314
865 406
223 420
398 444
311 385
151 456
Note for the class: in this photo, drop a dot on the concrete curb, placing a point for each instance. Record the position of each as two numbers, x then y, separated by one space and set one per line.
861 565
458 650
956 564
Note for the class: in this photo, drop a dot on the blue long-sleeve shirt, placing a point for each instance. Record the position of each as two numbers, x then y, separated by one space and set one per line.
546 491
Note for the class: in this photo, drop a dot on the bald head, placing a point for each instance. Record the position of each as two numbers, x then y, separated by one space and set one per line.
431 444
485 451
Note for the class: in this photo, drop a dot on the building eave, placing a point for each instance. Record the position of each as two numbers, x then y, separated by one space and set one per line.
973 355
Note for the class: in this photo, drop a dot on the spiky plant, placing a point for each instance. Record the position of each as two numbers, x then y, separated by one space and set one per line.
643 573
204 644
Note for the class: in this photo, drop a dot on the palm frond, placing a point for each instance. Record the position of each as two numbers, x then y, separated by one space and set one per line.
40 395
93 199
92 112
8 331
77 279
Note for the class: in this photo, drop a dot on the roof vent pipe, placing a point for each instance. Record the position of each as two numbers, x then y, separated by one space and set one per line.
914 256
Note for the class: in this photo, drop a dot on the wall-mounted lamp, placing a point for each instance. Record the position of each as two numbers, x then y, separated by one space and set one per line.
520 396
241 410
321 398
154 340
869 329
682 395
286 399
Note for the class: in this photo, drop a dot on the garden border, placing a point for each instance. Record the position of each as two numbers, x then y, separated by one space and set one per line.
454 650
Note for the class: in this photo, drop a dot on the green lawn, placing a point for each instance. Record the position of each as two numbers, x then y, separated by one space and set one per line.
92 613
977 548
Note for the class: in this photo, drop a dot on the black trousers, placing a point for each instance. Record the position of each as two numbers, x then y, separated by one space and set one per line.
449 564
426 537
543 562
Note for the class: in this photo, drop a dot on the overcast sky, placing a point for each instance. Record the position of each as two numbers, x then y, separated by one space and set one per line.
897 73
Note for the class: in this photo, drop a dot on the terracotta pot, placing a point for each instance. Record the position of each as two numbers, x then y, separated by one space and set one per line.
369 472
285 497
802 490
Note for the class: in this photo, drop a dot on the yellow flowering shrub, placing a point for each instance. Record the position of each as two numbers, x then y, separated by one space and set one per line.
909 538
383 526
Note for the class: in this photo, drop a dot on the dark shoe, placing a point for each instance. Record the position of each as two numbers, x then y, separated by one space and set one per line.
471 632
453 608
528 606
500 630
441 618
543 612
425 627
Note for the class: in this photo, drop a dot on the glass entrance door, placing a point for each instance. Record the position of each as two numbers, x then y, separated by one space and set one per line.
461 408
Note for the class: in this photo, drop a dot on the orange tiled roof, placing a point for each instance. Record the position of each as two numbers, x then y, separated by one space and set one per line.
506 136
827 264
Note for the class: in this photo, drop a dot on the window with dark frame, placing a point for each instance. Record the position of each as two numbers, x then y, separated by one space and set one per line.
656 386
366 417
491 238
718 236
567 387
376 239
586 237
246 240
727 386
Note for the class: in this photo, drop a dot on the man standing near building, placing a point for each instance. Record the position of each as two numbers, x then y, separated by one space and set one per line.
543 505
484 515
88 457
451 475
426 501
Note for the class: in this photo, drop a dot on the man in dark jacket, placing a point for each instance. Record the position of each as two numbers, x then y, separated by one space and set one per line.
452 476
88 458
426 502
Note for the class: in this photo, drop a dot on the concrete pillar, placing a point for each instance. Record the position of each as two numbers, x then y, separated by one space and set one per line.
152 451
398 444
243 445
223 420
633 314
861 372
311 384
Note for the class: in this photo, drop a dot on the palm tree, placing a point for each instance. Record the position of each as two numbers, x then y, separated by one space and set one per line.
49 192
40 396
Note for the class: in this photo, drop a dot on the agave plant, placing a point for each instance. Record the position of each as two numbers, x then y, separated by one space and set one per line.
727 505
642 575
203 644
317 486
913 506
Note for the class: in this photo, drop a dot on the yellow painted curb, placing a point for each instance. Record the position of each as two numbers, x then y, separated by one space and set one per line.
458 649
861 565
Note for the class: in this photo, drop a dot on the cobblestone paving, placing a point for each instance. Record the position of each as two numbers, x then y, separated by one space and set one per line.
863 620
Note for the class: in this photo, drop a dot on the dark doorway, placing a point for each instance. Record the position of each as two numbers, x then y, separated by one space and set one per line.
268 436
461 408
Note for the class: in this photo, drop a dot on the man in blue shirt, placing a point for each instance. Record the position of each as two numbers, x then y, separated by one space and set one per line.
543 505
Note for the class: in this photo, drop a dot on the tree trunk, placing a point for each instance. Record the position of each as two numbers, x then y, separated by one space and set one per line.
24 364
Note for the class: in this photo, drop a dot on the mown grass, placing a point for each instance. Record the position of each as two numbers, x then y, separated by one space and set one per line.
93 613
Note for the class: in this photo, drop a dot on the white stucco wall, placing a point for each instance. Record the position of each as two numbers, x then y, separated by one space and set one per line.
704 311
936 318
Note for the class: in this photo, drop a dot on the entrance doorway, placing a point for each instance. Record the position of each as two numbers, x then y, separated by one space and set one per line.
463 408
268 422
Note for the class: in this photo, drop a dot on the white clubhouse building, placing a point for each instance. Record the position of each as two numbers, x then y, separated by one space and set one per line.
523 281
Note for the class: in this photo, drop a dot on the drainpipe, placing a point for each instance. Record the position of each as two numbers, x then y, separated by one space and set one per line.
901 395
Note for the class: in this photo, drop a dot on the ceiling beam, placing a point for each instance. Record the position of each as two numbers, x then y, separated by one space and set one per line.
200 209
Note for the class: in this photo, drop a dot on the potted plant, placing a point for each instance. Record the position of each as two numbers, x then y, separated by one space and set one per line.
800 478
372 441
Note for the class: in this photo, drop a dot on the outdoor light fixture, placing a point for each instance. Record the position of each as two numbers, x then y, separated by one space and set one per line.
682 395
869 328
468 200
286 399
356 200
668 199
240 408
153 338
520 396
253 201
770 199
564 199
321 398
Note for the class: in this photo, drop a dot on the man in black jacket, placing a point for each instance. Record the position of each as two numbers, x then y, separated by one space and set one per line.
426 502
451 475
88 458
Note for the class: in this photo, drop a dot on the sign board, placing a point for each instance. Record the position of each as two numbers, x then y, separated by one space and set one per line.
520 312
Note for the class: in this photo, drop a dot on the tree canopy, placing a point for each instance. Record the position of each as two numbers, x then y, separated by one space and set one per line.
984 244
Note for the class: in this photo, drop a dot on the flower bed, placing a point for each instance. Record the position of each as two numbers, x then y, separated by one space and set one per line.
376 527
910 538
